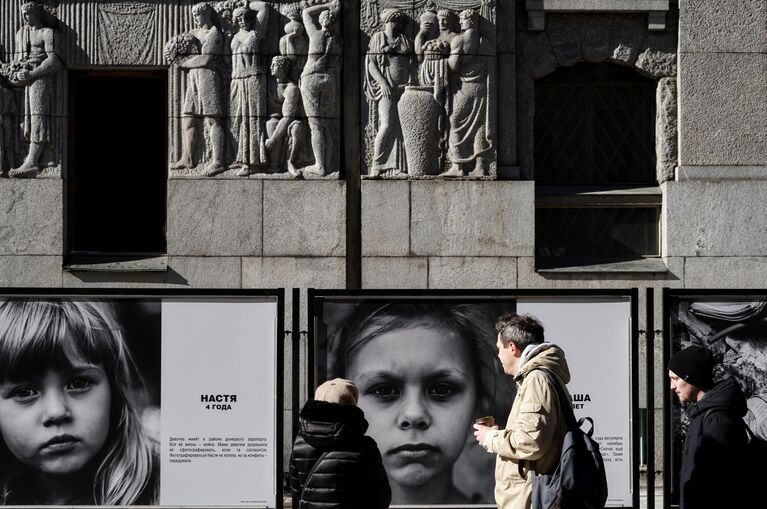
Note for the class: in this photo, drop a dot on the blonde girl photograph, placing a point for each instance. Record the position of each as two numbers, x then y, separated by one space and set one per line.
75 415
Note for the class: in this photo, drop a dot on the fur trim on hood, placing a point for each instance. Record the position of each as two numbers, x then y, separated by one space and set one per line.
544 355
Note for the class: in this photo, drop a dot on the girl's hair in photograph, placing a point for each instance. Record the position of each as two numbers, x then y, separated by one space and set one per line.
471 322
37 335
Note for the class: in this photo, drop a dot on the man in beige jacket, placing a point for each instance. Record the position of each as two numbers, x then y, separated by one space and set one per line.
532 440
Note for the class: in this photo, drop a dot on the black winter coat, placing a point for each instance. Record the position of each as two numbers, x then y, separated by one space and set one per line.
334 464
713 459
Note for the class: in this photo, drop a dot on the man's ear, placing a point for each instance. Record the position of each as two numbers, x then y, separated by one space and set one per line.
515 350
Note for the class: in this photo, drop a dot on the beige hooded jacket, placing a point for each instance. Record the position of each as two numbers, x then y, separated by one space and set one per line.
534 430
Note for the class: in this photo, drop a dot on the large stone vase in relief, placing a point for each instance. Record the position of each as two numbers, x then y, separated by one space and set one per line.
419 115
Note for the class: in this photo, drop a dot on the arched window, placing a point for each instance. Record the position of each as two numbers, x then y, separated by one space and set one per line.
597 194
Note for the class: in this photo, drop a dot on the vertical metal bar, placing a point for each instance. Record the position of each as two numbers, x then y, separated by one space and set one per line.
296 359
295 368
650 421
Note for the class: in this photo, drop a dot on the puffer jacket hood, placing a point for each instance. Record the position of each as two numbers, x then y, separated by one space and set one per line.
725 395
333 463
327 426
548 356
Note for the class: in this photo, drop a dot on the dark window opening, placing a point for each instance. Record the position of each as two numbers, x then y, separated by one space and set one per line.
597 194
595 124
117 171
611 232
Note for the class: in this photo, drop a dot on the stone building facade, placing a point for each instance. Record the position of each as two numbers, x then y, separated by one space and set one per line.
394 144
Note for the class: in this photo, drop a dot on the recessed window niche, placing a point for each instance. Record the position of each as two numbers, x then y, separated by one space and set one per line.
116 177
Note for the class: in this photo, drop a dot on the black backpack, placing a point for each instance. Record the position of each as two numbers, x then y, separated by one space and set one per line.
579 481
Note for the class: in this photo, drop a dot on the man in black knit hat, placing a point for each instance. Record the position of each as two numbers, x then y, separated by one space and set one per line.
714 454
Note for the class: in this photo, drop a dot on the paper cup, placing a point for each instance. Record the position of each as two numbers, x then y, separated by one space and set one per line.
487 420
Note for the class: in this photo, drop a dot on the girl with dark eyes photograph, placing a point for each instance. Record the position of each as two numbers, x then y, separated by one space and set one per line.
425 371
71 430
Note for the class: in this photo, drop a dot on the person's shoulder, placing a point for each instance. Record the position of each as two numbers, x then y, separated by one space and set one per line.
538 384
720 416
537 377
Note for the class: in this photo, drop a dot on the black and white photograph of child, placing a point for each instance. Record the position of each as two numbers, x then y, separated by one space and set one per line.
79 401
425 369
736 332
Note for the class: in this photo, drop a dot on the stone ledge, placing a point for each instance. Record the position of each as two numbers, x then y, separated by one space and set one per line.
600 265
721 173
529 277
116 263
183 272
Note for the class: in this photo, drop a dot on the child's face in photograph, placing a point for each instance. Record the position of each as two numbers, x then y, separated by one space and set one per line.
418 392
58 421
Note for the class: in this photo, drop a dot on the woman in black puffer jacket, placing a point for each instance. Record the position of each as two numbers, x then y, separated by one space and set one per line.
334 464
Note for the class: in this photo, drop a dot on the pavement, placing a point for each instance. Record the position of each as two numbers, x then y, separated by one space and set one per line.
658 499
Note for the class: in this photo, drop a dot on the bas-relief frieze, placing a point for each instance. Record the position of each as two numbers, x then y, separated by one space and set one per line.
254 86
429 83
30 133
244 111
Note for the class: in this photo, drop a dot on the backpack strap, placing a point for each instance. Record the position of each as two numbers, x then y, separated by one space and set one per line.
564 403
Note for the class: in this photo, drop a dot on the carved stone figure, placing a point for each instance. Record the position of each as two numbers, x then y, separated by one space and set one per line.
37 63
433 48
468 141
387 72
288 140
446 21
203 98
247 97
320 84
294 44
427 31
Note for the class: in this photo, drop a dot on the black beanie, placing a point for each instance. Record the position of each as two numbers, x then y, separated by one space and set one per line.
694 365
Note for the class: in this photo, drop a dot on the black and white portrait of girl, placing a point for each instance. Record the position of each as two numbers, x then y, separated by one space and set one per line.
425 369
77 422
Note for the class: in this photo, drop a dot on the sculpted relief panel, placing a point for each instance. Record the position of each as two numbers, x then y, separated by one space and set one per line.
429 82
30 84
254 86
257 90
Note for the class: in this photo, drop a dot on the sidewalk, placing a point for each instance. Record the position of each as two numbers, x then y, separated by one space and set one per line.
642 499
